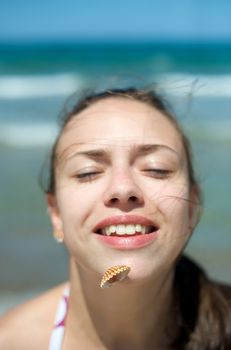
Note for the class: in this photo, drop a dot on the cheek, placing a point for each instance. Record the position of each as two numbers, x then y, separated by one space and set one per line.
75 203
172 200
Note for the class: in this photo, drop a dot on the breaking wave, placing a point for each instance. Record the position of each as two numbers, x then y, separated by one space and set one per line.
27 86
32 86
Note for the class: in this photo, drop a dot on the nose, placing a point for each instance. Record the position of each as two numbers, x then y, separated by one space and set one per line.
123 192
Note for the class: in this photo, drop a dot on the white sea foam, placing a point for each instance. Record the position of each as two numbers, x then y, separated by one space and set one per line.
27 86
197 85
27 135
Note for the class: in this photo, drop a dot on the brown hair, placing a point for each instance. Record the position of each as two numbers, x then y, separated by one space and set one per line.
203 308
149 97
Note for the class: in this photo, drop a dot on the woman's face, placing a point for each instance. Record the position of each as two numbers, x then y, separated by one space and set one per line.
122 192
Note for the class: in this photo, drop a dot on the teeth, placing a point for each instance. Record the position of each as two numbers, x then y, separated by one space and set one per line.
107 231
130 229
138 228
120 229
112 229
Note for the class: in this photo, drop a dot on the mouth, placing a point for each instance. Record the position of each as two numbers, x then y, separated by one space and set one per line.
126 226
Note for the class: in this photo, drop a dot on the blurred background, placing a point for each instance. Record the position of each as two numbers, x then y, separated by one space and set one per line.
51 49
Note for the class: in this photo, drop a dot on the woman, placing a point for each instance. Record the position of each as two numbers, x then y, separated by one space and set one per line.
123 192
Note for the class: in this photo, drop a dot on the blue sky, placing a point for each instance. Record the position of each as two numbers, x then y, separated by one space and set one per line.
118 19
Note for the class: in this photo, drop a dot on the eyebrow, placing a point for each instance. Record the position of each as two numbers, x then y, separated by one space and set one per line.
138 151
91 154
150 148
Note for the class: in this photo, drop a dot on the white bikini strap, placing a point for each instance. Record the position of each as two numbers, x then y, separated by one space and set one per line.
57 334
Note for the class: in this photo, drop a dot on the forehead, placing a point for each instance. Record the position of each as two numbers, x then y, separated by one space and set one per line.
119 121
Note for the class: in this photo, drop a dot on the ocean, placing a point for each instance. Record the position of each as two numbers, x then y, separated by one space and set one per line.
36 81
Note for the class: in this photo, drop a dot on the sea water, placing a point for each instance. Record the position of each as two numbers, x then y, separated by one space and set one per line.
35 81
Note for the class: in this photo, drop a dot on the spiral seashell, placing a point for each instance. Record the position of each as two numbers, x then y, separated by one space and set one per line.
114 274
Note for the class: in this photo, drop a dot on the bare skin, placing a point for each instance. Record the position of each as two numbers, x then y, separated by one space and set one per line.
120 318
121 172
29 325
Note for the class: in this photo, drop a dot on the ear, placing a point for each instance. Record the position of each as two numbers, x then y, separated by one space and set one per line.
53 212
195 208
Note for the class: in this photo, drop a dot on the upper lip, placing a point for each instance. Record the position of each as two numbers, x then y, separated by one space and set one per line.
125 220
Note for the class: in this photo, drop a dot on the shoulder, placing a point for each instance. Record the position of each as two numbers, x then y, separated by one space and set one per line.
29 325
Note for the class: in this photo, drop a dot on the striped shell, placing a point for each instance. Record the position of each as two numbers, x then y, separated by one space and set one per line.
114 274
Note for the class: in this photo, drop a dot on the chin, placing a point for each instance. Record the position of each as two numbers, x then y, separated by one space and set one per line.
141 270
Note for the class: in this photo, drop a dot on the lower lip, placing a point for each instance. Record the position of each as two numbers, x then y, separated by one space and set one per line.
127 242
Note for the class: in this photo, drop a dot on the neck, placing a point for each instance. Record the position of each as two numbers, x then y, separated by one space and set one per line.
125 316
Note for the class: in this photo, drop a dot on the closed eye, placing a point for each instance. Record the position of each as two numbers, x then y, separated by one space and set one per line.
158 173
87 176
